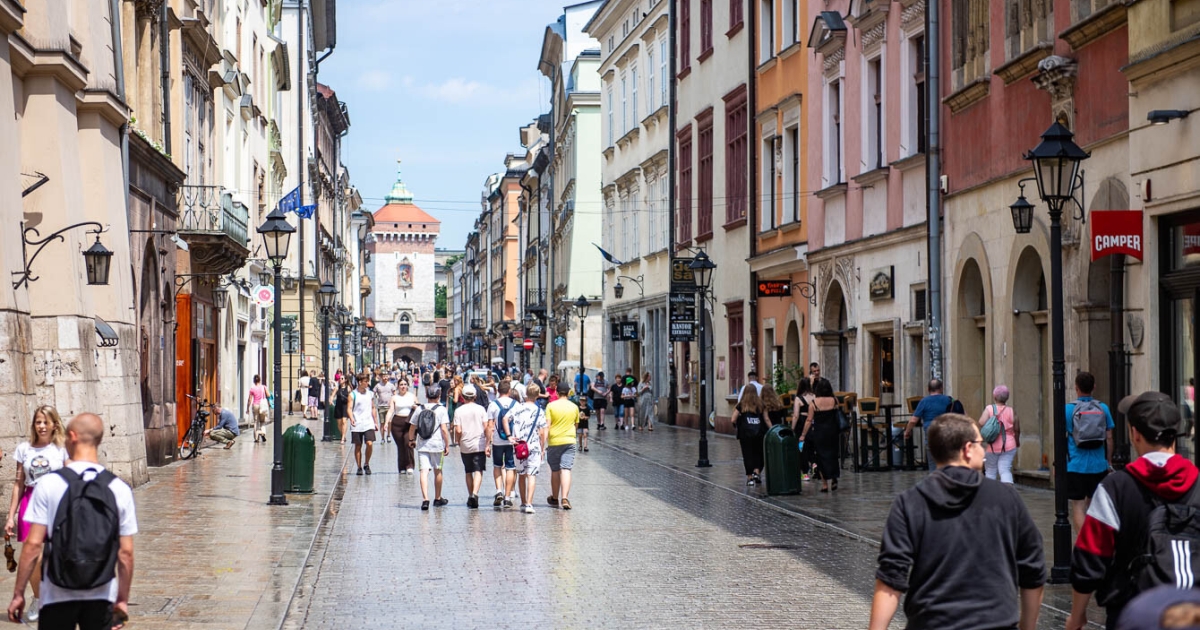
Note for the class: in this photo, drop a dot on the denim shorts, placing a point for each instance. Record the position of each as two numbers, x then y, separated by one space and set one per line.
561 457
502 455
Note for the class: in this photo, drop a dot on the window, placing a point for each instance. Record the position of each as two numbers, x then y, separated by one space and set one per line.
1027 23
633 108
969 41
735 13
664 216
766 30
685 34
684 194
791 181
405 324
662 70
652 212
791 22
624 105
704 212
916 100
833 133
650 81
624 228
873 107
611 127
635 220
610 43
737 155
769 177
706 26
737 335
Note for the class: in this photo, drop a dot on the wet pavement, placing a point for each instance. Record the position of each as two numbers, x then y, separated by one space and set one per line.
651 543
210 552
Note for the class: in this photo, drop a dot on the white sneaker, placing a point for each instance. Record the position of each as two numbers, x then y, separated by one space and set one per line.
409 471
32 611
528 509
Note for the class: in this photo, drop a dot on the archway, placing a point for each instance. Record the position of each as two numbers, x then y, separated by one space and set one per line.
1111 194
834 343
408 354
1029 352
970 340
791 348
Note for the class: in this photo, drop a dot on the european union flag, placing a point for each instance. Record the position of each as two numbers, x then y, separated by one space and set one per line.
290 202
607 256
306 212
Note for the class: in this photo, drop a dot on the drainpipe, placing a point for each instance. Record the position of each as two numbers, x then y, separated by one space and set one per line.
672 114
933 171
164 47
550 261
119 75
752 181
301 94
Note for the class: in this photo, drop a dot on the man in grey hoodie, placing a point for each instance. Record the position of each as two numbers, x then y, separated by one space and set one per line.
963 549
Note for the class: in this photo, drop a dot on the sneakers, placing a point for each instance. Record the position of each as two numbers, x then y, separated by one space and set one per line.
751 481
439 502
32 611
473 502
499 500
424 506
368 469
408 471
508 504
566 504
528 509
552 502
360 471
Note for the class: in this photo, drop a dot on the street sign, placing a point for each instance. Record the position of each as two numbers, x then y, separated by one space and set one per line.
288 323
335 345
560 341
527 344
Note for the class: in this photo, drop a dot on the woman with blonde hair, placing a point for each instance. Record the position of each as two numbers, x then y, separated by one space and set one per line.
773 405
36 458
645 404
751 422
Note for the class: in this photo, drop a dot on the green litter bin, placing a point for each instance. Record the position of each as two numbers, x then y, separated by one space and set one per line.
782 454
331 425
299 458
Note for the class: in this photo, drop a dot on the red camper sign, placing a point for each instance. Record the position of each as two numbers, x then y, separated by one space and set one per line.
1117 232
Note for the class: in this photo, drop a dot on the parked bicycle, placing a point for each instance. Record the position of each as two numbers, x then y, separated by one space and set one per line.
195 433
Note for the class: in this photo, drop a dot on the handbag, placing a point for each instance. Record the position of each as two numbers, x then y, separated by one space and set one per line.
9 555
521 448
843 422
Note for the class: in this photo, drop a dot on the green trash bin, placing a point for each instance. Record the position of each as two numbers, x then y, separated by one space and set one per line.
782 454
331 426
299 458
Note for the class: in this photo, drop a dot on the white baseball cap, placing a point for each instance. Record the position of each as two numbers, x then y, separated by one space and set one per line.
468 391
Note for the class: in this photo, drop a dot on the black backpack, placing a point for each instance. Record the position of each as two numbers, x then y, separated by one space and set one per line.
86 535
1172 553
427 421
500 418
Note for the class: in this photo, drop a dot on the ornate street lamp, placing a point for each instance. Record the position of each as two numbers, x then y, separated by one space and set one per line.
98 260
326 294
581 309
1056 168
1022 213
702 267
277 235
220 294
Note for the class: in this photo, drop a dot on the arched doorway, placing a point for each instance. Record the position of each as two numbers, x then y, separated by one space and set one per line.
408 354
834 342
970 341
791 348
1029 352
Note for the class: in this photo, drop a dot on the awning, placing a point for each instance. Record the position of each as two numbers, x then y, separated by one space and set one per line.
108 336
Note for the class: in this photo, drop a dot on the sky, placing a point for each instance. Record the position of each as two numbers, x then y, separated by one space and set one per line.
444 86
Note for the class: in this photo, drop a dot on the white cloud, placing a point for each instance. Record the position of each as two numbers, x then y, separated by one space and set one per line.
459 90
456 90
375 80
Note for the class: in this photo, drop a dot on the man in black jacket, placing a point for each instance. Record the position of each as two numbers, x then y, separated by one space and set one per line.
961 547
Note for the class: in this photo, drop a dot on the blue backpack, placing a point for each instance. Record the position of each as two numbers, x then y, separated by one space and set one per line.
500 418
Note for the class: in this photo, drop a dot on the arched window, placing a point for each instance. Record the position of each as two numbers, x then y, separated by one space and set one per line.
405 324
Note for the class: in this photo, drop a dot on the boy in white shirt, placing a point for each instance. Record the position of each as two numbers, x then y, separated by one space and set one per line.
432 449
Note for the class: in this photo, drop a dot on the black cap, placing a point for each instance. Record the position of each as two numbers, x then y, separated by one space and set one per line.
1145 612
1153 414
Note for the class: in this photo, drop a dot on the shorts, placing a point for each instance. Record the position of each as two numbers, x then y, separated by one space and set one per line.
582 425
599 403
474 462
358 437
530 465
561 457
502 456
1082 486
629 403
429 461
312 401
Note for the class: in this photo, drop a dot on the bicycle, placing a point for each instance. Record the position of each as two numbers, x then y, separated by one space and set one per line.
195 433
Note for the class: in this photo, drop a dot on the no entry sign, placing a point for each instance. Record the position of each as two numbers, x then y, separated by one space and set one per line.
527 344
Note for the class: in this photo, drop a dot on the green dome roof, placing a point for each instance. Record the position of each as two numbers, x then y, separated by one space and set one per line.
400 193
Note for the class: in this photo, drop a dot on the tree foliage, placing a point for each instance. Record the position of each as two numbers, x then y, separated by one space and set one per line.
439 301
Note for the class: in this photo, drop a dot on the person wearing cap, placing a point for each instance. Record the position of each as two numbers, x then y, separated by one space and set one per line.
474 438
1114 532
1160 608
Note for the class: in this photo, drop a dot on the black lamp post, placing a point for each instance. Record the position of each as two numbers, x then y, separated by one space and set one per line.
702 267
1056 168
326 294
581 309
277 235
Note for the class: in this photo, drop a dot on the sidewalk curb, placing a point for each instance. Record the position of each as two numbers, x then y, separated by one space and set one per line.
335 493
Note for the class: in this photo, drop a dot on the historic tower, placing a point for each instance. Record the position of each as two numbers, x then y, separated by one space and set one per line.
402 276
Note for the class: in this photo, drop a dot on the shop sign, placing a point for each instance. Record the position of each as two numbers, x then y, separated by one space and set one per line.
683 316
1120 232
624 331
264 295
774 288
682 276
883 284
683 331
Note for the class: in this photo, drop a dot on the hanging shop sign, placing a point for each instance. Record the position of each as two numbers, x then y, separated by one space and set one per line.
623 331
682 276
1120 232
883 286
264 295
774 288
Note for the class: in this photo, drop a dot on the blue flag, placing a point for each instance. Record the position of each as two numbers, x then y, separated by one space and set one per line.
607 256
290 202
306 212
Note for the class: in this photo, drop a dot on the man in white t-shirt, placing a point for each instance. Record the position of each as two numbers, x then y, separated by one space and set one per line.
430 450
504 465
103 607
471 432
364 422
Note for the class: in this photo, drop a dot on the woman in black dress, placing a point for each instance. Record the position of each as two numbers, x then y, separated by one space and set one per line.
773 406
826 433
804 397
751 421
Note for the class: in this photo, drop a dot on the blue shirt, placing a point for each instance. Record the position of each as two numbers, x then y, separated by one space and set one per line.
1085 460
585 388
228 421
931 407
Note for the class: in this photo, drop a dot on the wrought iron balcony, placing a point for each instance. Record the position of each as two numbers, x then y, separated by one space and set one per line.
535 300
215 228
476 324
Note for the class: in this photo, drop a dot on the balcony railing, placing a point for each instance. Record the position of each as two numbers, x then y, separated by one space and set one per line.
535 300
476 324
205 209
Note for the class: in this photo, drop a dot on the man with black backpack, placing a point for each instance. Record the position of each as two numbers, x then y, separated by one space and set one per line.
1089 447
84 517
504 464
428 434
1142 529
